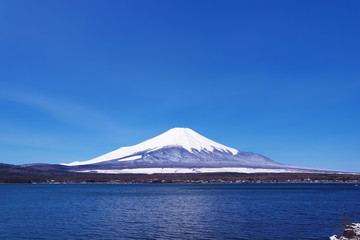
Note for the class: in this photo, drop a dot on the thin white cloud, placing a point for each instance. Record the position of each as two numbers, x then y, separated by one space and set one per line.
37 141
64 110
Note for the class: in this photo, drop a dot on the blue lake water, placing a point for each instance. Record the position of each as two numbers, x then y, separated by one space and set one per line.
177 211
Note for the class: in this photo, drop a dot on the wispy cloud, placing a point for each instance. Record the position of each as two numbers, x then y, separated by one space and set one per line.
64 110
36 140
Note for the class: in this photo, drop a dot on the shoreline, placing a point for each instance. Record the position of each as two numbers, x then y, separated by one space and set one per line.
174 183
89 178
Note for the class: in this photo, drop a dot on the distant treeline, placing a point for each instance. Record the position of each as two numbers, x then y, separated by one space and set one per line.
176 178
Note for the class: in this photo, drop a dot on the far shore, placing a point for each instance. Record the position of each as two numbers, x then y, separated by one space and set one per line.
68 178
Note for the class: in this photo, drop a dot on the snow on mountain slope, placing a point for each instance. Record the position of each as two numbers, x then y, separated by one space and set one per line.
178 148
176 137
195 170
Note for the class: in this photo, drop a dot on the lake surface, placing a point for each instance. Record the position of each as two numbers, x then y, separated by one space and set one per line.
177 211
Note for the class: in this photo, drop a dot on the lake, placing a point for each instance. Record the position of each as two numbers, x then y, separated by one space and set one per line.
176 211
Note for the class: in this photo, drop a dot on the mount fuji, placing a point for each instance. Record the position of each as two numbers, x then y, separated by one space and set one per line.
181 150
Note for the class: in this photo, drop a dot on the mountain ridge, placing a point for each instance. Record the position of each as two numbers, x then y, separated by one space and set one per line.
175 137
178 148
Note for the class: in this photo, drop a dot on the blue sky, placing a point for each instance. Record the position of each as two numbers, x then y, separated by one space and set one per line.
82 78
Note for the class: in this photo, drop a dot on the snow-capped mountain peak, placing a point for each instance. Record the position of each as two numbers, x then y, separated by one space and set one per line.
176 137
187 139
